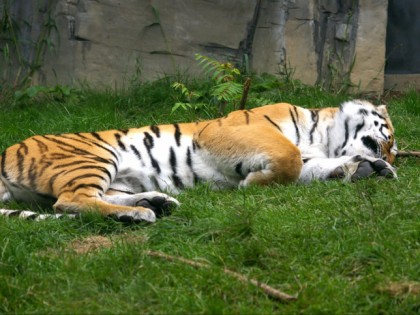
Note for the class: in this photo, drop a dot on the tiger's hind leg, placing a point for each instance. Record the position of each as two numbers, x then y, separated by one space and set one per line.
260 155
79 204
124 207
160 203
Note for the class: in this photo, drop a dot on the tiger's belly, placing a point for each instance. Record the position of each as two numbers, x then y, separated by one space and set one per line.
26 195
170 167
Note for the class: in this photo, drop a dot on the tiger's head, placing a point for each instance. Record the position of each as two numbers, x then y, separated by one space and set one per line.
368 131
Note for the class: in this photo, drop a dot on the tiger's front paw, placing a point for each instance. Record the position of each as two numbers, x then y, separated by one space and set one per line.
136 215
361 167
161 205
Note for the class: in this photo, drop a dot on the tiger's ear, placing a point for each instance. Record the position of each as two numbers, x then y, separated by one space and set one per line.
382 109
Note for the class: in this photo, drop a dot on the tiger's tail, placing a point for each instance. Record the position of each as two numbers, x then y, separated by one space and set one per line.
30 215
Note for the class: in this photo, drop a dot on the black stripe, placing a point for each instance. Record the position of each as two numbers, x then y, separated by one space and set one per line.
60 156
296 126
246 117
155 130
124 131
358 128
346 138
273 123
346 133
238 169
98 137
155 182
88 175
76 150
20 156
45 164
148 141
92 157
88 167
172 160
32 216
190 165
83 186
119 142
91 142
377 114
155 163
370 143
136 152
52 179
32 174
201 131
296 113
3 165
41 145
15 213
315 120
189 159
380 130
177 135
195 145
177 181
71 164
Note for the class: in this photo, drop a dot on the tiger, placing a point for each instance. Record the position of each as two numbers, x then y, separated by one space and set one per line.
133 174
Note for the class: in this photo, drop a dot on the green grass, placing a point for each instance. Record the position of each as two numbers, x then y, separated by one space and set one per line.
343 247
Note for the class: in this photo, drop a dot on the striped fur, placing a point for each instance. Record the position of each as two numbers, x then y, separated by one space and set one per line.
128 173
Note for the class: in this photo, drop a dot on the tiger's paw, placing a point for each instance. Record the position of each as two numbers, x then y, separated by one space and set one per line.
136 215
160 204
361 167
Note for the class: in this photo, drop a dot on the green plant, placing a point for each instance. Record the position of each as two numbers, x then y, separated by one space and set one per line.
191 98
226 88
39 93
22 58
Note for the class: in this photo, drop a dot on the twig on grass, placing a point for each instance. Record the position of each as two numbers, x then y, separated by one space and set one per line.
408 153
272 292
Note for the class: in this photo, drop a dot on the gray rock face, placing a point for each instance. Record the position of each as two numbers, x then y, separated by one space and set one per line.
109 42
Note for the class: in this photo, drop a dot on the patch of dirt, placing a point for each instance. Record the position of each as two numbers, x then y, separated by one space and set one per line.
89 244
401 288
93 243
97 242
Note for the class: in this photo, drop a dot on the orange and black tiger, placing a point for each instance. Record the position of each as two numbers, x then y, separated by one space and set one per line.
129 173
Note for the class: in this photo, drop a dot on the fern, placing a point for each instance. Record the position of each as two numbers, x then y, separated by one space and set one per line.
226 87
227 91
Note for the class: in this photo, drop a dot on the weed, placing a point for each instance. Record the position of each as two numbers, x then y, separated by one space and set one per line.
19 66
226 88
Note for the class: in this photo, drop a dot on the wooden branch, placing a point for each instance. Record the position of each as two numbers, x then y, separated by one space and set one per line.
245 92
408 153
274 293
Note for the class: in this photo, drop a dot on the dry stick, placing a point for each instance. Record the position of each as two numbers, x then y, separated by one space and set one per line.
245 92
266 288
408 153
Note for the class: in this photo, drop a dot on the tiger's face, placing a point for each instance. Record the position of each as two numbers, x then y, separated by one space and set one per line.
370 131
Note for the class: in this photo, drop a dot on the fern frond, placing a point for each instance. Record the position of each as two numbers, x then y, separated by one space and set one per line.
227 91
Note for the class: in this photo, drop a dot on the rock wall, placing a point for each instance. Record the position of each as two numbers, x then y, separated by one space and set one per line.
336 43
